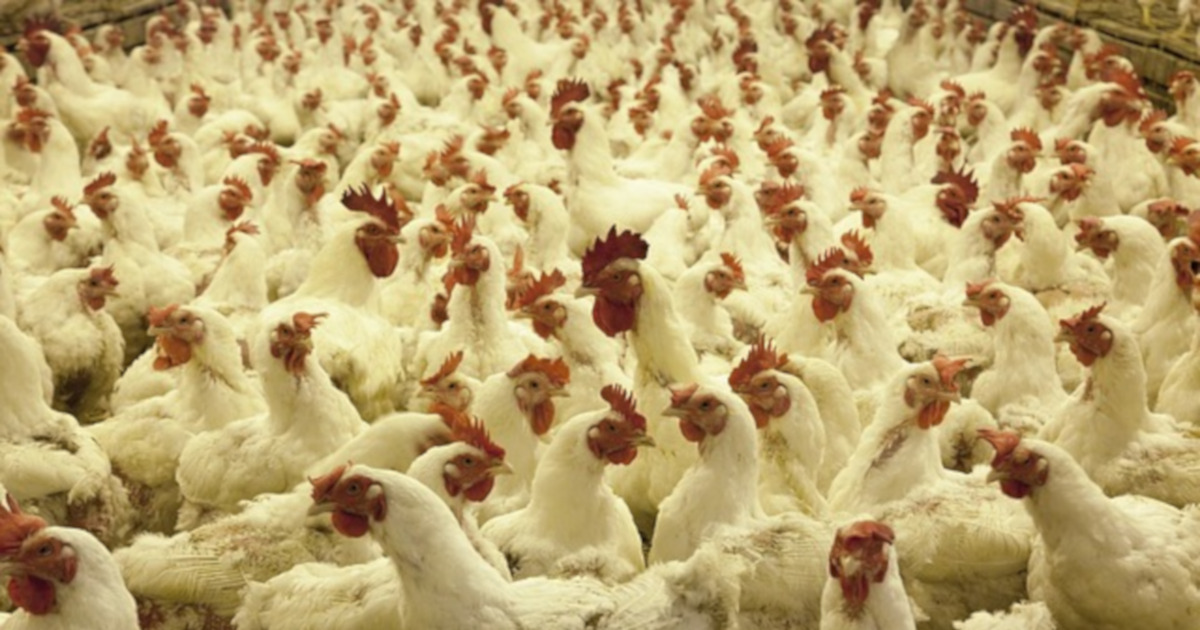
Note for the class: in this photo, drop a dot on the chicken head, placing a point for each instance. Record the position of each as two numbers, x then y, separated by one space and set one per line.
990 299
1017 467
610 272
618 434
723 279
756 380
701 412
61 220
376 238
99 285
859 558
446 386
546 313
472 473
931 388
536 383
1094 236
176 329
565 113
291 342
354 500
1089 339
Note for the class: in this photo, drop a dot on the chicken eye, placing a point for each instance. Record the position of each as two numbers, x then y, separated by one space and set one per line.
468 461
534 385
45 550
452 386
705 405
353 488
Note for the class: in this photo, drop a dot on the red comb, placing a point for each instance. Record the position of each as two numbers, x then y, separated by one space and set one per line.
963 179
833 258
976 289
1005 442
1026 135
853 241
381 208
447 368
602 253
240 185
763 356
470 430
15 527
102 181
734 265
713 109
461 233
554 369
305 322
158 316
623 403
948 368
568 91
952 86
543 286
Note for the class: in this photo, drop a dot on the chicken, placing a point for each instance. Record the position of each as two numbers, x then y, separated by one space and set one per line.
48 461
791 444
45 241
82 343
1176 398
370 501
865 349
1165 324
307 418
518 408
146 439
1135 248
897 476
632 298
1023 372
60 577
864 591
593 185
1135 543
86 106
361 351
1107 426
478 323
592 358
368 595
574 524
719 489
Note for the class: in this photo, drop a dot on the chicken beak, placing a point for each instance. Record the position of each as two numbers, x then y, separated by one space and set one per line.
399 239
522 314
157 331
972 302
500 468
583 292
949 396
1064 336
643 440
996 475
321 507
740 285
674 412
808 290
558 392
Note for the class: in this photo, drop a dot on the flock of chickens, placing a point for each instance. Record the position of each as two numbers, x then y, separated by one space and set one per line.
620 314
